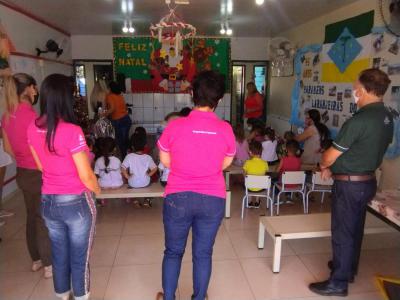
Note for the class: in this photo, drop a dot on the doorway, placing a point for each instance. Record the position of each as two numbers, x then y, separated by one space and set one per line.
242 73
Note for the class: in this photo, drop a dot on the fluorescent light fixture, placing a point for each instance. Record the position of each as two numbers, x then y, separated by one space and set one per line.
259 2
222 31
125 28
229 7
130 6
124 7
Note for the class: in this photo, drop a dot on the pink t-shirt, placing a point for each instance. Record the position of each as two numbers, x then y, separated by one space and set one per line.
60 175
15 127
242 151
197 145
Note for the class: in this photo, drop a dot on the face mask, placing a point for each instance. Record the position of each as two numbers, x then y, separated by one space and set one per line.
356 98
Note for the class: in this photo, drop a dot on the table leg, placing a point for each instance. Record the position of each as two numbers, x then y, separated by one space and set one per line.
261 236
277 254
227 179
228 205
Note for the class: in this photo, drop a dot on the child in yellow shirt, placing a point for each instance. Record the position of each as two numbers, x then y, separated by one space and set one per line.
255 166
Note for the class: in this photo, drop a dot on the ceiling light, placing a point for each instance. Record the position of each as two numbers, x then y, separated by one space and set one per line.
222 30
131 29
259 2
229 7
229 31
125 28
130 6
124 6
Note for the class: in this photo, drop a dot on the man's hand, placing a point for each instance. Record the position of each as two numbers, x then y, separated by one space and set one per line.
326 174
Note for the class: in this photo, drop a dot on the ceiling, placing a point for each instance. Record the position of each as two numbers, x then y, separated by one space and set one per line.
247 19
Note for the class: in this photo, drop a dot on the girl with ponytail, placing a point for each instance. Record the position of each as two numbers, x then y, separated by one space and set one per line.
316 137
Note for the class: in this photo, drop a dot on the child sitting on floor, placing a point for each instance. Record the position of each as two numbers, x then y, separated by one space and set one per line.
107 166
255 166
242 146
138 167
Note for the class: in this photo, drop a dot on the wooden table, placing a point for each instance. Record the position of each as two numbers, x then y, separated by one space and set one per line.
305 226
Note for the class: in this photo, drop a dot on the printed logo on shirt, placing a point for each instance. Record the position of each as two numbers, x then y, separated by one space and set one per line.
204 132
386 121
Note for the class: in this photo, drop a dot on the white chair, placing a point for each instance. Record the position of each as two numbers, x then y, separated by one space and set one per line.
296 181
318 185
256 182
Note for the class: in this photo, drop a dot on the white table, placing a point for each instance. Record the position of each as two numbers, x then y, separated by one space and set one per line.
231 170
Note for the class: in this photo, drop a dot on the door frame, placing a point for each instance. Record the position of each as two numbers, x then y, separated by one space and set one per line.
232 92
239 62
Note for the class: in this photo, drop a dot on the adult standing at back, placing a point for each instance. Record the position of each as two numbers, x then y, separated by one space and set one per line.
20 94
253 105
313 137
356 153
116 109
60 151
196 149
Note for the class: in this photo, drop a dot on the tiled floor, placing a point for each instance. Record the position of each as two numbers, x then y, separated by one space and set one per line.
127 255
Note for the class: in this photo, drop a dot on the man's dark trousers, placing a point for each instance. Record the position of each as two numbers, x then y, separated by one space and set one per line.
349 206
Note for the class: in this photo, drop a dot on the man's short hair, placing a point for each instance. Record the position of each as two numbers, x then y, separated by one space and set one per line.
374 81
255 148
208 88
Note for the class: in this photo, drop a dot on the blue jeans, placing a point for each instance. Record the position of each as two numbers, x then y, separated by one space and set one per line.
202 213
122 127
71 222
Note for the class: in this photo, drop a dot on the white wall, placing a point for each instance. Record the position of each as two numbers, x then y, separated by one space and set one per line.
100 47
279 106
26 34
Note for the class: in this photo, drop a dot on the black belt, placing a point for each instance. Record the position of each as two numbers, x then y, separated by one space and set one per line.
350 177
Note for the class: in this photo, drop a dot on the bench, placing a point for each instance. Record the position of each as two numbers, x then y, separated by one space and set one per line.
155 190
305 226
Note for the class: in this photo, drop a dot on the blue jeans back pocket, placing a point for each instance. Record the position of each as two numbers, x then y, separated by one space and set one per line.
174 207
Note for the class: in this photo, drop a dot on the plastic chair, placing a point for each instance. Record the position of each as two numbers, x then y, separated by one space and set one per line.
296 181
318 185
256 182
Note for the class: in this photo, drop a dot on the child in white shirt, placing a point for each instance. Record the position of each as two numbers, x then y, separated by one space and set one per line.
107 166
269 148
138 167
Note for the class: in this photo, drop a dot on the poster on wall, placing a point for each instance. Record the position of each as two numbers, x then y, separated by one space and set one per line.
156 67
327 73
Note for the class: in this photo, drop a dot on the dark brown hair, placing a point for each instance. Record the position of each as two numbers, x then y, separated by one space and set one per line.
292 146
208 88
239 133
255 148
374 81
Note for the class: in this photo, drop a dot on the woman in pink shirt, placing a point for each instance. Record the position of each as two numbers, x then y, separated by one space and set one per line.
20 94
61 153
196 149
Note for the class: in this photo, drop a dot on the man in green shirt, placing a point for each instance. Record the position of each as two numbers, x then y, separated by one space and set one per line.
356 153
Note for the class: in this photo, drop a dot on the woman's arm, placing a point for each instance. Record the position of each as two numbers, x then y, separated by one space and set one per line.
165 158
308 132
85 172
110 108
6 144
36 158
227 162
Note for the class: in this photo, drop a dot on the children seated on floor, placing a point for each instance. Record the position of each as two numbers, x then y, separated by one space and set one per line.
255 166
256 134
164 171
269 147
107 166
242 146
138 167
